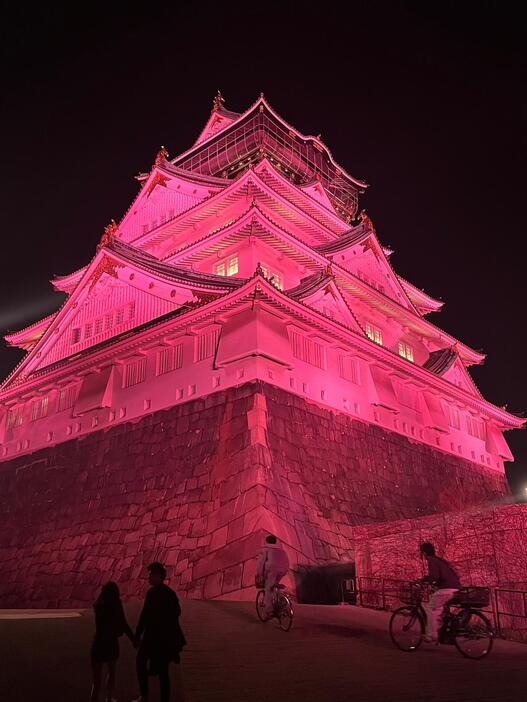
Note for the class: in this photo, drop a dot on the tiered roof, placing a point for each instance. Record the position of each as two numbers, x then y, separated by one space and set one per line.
249 175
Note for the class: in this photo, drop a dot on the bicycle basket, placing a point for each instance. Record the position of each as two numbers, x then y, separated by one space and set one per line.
472 597
259 582
410 593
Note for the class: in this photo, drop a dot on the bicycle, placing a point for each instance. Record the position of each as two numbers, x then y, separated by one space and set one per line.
463 624
282 607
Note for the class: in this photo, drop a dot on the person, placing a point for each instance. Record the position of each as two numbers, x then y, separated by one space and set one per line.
272 565
110 624
158 636
446 581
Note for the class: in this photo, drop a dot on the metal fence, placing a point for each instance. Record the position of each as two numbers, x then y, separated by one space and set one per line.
507 609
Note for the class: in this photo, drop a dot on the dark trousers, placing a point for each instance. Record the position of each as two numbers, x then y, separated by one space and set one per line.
142 675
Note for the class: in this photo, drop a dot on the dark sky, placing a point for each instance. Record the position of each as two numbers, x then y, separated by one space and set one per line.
425 101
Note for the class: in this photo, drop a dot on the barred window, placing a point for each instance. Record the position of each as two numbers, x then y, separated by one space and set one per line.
39 408
98 325
206 345
108 321
452 414
15 417
476 427
66 398
227 267
119 317
349 369
134 372
88 330
131 310
75 335
406 351
307 350
374 334
169 359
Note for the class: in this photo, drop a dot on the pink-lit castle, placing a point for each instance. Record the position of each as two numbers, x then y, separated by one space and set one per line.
239 356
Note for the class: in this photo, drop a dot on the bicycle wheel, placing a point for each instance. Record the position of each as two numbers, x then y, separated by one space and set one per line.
260 609
285 612
406 628
475 637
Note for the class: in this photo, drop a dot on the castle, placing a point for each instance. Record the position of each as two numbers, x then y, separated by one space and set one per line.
239 356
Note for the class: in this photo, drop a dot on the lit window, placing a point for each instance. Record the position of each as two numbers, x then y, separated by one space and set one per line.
307 350
75 335
206 344
374 334
232 266
227 267
39 408
349 369
134 372
169 359
406 351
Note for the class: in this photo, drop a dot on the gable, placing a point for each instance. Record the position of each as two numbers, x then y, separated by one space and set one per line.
328 300
367 261
163 197
458 375
110 308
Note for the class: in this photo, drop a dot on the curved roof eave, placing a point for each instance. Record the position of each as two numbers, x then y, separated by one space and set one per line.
306 137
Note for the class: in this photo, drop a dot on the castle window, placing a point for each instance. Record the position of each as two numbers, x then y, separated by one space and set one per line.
308 350
39 408
98 325
349 369
15 417
272 276
119 317
131 310
453 416
206 344
108 321
88 330
66 398
227 267
75 335
374 334
169 359
134 372
406 351
476 428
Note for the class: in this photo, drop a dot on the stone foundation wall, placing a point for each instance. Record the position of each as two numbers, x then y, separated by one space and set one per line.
199 485
486 547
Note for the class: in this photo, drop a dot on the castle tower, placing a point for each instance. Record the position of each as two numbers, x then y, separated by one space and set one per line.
239 356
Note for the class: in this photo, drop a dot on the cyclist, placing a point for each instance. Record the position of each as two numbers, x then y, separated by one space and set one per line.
446 581
272 565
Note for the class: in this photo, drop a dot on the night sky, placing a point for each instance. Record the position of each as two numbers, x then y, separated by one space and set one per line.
424 101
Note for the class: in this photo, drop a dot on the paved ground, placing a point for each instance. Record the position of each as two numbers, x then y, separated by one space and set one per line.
332 654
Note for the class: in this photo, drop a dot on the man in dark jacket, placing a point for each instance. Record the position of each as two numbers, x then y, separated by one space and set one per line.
443 577
158 635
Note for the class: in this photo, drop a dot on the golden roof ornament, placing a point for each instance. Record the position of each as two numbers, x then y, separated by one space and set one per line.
366 220
161 157
110 230
218 101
